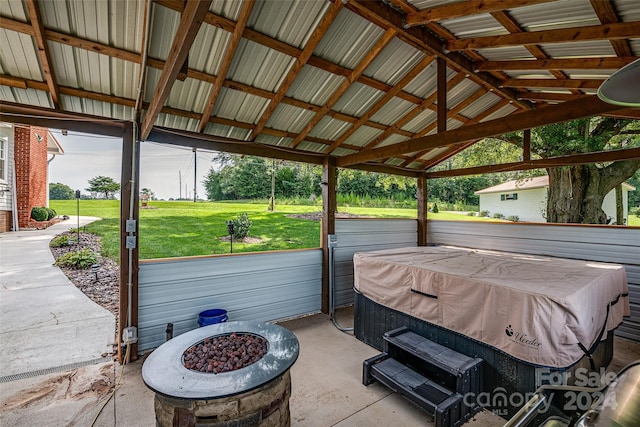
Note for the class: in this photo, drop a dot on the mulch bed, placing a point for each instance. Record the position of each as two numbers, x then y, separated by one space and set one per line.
103 291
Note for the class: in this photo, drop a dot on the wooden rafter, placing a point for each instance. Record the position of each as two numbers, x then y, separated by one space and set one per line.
607 14
229 53
357 71
427 103
43 50
466 8
509 22
190 22
455 110
386 17
555 83
596 32
602 156
583 107
412 74
557 64
300 62
451 151
550 96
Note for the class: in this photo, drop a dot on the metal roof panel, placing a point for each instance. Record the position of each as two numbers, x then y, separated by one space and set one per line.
460 92
555 15
585 49
207 51
308 146
485 102
189 95
348 40
329 128
363 136
392 111
19 54
314 85
357 100
297 20
289 118
225 131
421 121
164 25
395 60
241 106
480 25
259 66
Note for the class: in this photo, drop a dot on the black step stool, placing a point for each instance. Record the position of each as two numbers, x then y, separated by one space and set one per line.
430 375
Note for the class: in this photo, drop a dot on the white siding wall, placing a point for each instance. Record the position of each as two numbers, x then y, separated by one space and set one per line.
529 207
6 186
594 243
609 204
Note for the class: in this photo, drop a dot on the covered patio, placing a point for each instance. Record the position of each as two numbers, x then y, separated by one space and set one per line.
395 87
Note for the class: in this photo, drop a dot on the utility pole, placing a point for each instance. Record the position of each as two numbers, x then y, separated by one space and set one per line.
195 173
180 183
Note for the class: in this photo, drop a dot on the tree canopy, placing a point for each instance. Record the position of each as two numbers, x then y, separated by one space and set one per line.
58 191
104 185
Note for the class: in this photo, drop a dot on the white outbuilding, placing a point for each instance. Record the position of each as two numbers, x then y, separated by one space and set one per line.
527 199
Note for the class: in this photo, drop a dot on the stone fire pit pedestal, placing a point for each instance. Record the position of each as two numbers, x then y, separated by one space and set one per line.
256 395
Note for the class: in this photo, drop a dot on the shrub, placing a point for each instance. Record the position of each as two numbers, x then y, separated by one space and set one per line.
241 226
484 214
513 218
636 211
50 214
471 214
498 215
81 259
39 214
435 208
60 241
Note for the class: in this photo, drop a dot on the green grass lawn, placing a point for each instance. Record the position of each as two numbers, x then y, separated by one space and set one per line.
175 229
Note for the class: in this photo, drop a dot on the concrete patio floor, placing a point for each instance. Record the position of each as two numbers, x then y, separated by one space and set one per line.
326 388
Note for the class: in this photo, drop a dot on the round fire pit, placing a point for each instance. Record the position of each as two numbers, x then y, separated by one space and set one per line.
257 394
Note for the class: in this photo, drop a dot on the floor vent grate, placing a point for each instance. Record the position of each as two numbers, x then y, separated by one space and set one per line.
55 369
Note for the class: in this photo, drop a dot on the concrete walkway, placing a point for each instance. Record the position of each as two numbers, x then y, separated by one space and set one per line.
45 321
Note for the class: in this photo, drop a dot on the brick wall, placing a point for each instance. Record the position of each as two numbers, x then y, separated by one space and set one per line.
5 221
31 170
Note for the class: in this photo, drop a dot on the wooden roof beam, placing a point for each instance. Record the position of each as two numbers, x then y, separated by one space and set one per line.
555 83
579 159
607 14
583 107
428 102
621 30
43 50
557 64
357 71
229 53
190 23
301 60
412 74
386 17
466 8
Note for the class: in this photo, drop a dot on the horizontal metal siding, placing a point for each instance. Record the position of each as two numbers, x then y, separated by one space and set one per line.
254 287
366 235
617 245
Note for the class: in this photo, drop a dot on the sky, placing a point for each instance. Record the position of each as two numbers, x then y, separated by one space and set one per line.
87 156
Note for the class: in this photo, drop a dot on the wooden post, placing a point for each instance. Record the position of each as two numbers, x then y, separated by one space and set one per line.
526 145
128 199
422 210
442 94
328 225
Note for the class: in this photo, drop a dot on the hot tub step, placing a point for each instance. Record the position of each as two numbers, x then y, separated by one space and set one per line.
438 379
443 404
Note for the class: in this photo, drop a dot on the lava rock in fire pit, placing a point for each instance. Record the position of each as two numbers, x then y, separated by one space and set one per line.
224 353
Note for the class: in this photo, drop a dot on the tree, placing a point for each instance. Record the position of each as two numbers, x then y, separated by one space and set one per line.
104 185
150 195
576 192
58 191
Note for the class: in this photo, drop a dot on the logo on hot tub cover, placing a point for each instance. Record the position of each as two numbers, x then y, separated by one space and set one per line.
521 338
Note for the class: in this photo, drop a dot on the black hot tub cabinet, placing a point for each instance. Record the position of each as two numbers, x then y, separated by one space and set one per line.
256 395
508 382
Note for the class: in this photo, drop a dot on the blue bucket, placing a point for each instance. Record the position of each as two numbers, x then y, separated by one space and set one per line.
211 317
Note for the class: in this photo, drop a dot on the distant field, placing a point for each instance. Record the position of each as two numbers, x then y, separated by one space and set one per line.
174 229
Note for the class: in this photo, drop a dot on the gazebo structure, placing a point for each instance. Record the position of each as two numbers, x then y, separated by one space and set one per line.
396 86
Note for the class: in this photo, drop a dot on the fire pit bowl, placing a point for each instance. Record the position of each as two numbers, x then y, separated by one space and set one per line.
257 394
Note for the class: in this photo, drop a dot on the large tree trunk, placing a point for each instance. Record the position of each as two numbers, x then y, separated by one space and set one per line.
576 193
